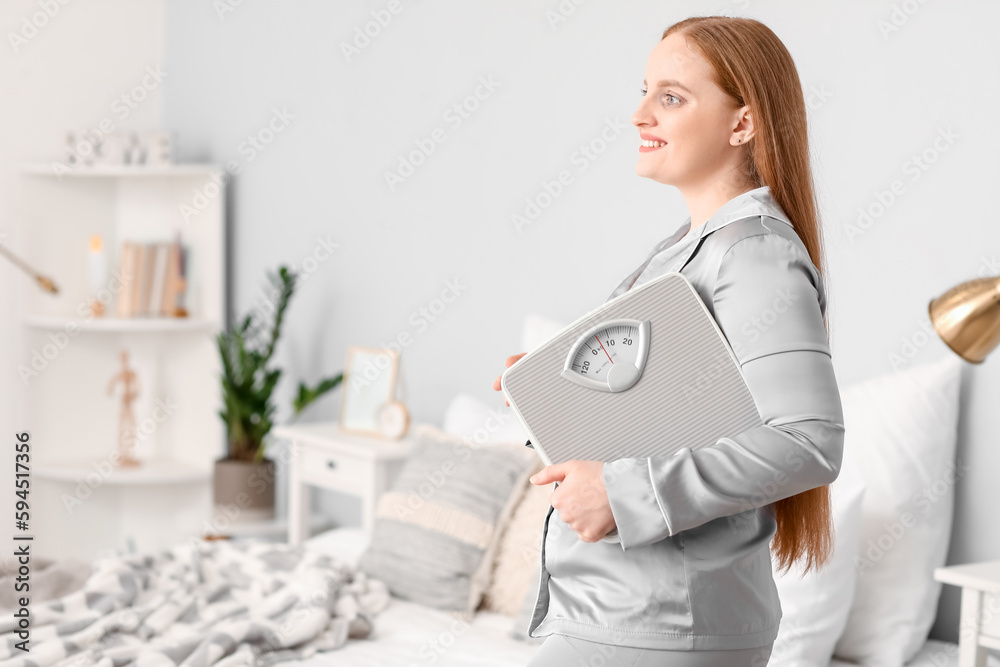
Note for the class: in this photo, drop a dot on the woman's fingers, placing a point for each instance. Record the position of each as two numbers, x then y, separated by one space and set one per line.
496 386
511 360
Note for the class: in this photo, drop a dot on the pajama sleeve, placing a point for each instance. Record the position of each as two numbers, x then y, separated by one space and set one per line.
769 304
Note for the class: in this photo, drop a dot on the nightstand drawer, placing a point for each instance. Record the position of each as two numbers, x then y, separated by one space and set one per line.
334 471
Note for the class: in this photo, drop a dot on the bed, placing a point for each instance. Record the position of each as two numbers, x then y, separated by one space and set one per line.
407 633
874 604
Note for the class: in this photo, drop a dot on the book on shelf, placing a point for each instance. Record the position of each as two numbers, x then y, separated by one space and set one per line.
147 264
153 279
159 278
127 271
139 250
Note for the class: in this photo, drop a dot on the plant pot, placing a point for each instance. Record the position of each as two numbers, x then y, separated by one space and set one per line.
243 491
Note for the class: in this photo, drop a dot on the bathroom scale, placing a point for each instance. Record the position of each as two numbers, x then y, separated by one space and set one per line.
647 373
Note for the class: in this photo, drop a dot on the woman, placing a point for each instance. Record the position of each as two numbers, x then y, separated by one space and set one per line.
690 583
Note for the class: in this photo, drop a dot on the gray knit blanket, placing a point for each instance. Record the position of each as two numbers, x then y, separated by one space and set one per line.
202 603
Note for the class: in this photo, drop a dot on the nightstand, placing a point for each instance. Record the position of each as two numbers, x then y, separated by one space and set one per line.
979 628
323 455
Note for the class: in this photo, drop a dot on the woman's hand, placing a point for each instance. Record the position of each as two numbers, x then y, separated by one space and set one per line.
510 362
581 497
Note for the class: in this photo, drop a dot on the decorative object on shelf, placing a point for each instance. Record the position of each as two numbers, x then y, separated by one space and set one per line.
113 148
153 278
393 419
97 275
159 148
370 376
179 288
967 318
81 148
70 154
126 421
247 385
86 148
43 282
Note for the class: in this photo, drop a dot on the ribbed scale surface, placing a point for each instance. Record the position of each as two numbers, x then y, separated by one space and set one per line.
691 392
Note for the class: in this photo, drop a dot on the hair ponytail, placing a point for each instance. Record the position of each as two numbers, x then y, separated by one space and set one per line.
753 67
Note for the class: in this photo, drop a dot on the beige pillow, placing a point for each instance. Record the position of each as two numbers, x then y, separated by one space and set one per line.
516 565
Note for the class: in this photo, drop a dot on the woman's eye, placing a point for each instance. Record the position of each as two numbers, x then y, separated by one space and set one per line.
666 97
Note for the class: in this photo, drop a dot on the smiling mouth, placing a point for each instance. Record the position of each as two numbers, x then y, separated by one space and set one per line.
648 146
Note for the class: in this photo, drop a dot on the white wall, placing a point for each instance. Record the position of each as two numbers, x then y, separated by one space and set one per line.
879 99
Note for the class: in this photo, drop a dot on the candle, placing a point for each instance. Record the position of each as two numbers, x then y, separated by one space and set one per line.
97 273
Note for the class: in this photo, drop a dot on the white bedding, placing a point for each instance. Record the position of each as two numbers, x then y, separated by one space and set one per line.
408 634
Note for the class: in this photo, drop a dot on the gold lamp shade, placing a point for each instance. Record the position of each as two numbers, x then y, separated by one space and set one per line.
967 318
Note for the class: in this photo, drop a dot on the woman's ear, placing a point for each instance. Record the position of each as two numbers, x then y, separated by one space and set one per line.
743 130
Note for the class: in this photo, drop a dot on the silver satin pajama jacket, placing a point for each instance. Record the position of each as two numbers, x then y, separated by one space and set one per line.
693 569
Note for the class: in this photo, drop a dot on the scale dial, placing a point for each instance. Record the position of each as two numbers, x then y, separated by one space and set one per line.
609 356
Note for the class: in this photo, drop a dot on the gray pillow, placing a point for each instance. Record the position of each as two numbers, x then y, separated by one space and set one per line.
437 529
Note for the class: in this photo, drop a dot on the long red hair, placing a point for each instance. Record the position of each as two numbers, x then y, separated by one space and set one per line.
754 68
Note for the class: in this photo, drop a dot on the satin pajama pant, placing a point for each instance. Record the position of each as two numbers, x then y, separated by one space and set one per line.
564 651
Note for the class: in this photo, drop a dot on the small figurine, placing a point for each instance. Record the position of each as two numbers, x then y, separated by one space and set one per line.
126 425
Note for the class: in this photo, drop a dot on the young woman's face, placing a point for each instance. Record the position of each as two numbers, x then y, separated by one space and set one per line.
695 123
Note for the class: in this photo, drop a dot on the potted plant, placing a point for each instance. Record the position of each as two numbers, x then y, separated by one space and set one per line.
244 478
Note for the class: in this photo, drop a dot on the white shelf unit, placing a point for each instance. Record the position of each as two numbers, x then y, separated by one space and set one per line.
78 511
116 170
156 471
122 324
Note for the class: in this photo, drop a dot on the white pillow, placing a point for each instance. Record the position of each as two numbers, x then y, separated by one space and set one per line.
900 429
537 330
468 417
815 606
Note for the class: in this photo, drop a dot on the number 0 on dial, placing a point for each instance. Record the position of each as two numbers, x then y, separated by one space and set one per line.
609 356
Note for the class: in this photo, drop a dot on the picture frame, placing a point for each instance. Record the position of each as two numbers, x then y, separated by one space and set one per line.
370 376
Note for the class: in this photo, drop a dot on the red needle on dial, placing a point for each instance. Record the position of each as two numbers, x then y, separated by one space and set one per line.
605 351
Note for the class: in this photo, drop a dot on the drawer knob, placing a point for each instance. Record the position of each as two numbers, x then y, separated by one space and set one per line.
331 464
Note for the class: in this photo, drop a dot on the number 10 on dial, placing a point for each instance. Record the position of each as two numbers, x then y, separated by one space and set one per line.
609 356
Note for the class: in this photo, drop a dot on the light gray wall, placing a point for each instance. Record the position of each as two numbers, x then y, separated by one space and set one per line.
884 78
